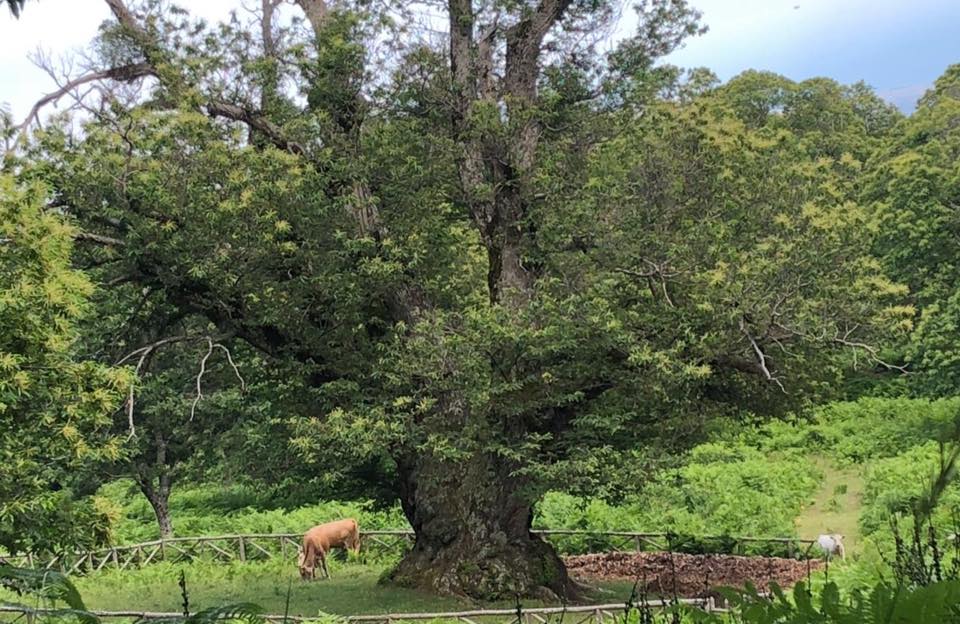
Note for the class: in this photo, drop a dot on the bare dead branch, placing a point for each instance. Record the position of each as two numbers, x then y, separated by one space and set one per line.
236 370
203 369
870 350
844 338
145 351
659 271
761 357
153 345
125 73
632 273
121 279
130 423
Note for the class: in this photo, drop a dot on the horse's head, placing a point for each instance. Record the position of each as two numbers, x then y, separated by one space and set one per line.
306 572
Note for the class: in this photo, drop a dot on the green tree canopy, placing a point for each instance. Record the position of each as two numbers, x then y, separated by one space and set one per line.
55 409
913 185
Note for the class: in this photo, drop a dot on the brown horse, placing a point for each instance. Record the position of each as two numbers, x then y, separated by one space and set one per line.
318 541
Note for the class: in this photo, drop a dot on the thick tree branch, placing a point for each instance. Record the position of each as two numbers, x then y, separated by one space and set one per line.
524 44
215 108
255 121
143 39
316 12
100 239
270 86
761 357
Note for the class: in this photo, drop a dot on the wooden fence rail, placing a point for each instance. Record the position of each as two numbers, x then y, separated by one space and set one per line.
581 614
263 546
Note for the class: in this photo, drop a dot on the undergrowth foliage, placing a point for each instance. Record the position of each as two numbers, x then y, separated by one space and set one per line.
49 589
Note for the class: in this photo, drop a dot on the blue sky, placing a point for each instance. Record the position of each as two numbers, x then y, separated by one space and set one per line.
897 46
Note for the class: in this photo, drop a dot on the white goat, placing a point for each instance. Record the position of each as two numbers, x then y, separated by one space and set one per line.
832 544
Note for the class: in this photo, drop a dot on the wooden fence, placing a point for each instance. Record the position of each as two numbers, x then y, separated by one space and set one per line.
263 546
583 614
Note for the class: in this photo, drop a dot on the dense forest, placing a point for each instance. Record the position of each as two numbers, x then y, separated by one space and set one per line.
473 260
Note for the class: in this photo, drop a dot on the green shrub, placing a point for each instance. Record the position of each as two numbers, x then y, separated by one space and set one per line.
893 485
874 428
212 510
722 489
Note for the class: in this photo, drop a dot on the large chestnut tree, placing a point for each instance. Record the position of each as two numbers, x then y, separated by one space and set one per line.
476 252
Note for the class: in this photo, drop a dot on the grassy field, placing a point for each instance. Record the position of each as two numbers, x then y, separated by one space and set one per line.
352 590
841 472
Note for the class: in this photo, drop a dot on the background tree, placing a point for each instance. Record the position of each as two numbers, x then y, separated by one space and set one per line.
54 407
505 254
913 186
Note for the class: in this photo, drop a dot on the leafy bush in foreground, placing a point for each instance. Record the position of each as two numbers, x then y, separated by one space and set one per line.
938 603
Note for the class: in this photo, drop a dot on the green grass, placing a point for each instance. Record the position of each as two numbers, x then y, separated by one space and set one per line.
353 590
836 506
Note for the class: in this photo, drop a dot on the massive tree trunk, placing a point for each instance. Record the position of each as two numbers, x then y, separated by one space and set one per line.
473 536
471 518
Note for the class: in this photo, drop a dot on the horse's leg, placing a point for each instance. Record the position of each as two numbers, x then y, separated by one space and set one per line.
323 562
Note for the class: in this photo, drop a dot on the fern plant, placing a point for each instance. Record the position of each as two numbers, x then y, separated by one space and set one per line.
241 612
937 603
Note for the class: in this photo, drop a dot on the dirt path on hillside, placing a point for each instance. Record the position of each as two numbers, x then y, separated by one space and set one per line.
835 507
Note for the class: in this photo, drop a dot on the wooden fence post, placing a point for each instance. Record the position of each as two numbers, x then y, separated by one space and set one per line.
243 550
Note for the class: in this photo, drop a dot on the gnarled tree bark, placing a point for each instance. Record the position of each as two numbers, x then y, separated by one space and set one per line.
473 537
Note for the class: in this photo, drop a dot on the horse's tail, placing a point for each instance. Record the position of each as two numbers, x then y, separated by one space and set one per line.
355 537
